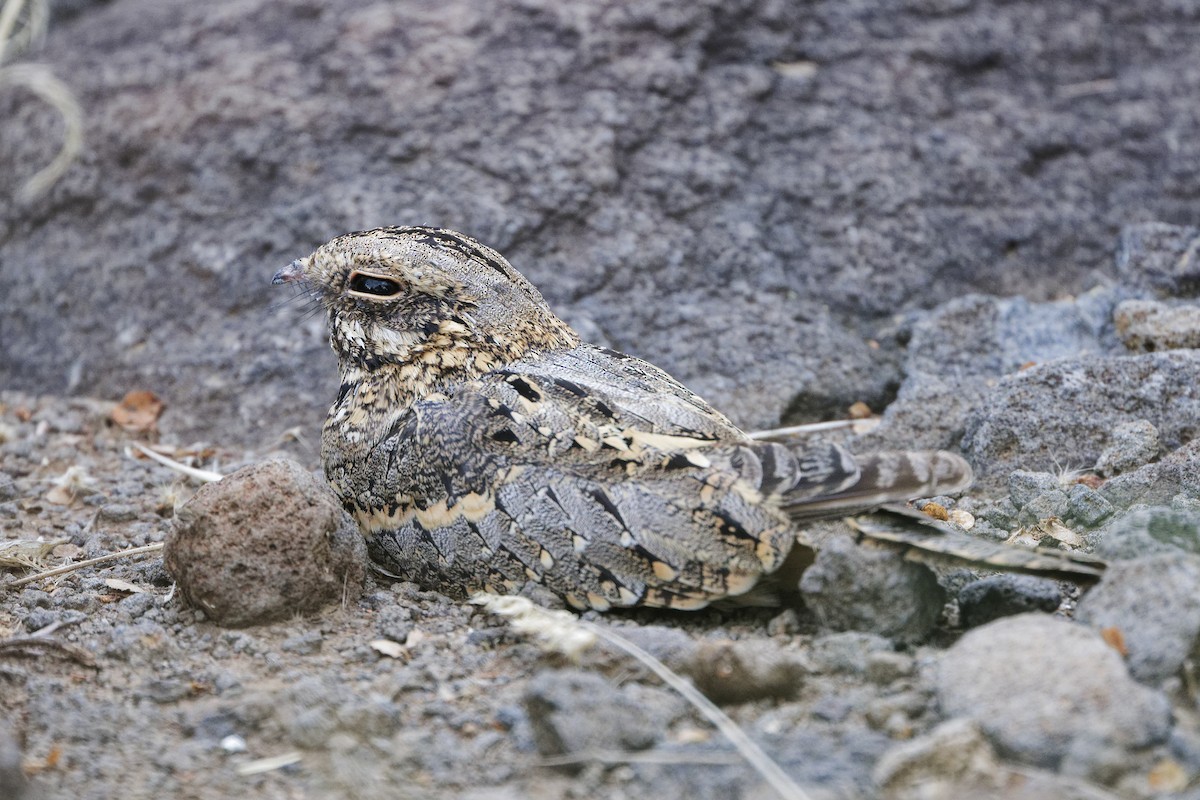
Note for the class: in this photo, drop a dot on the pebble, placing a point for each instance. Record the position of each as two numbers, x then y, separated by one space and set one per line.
1153 603
1041 688
265 543
573 711
742 671
871 588
305 644
1087 507
1025 486
996 596
846 652
1149 325
1131 445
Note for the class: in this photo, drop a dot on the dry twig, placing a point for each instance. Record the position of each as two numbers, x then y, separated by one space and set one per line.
63 570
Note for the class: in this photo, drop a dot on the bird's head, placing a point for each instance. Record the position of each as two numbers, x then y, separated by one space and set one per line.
413 295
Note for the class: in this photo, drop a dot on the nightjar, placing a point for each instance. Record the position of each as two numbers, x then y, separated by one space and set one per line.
480 444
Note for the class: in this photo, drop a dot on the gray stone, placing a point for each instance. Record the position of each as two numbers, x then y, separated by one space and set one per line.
1086 506
1037 685
872 589
1158 483
1147 530
573 711
1024 486
1148 325
135 605
304 644
1001 514
959 350
1050 504
998 596
1060 413
846 651
1161 258
394 623
1154 603
1131 445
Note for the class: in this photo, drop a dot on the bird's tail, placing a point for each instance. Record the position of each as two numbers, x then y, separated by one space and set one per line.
888 477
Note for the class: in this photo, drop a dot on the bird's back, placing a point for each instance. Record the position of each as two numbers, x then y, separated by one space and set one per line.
588 471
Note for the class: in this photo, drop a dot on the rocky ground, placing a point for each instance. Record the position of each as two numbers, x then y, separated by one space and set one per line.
975 218
1013 686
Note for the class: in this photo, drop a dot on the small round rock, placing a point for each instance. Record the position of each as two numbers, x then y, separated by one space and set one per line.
263 544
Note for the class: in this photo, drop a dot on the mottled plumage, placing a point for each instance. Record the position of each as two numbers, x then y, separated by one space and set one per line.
480 444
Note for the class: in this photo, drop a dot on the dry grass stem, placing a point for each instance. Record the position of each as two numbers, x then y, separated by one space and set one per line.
856 426
40 81
34 646
63 570
262 765
202 475
18 35
645 757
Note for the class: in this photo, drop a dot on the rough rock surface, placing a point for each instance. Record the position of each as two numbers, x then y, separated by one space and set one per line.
1078 700
1148 325
1064 412
1174 476
744 191
266 543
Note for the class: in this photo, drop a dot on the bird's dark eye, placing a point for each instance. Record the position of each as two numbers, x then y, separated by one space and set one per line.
375 285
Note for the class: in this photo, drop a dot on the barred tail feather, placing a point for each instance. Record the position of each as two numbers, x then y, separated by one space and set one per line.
888 478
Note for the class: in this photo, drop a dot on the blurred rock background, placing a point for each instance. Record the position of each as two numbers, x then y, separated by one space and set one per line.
757 195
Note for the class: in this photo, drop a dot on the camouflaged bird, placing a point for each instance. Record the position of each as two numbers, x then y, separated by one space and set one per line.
480 444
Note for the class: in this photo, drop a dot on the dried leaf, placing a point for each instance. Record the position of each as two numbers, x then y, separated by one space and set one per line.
138 411
388 648
962 519
935 510
1167 777
72 484
123 586
1049 528
25 553
1113 637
